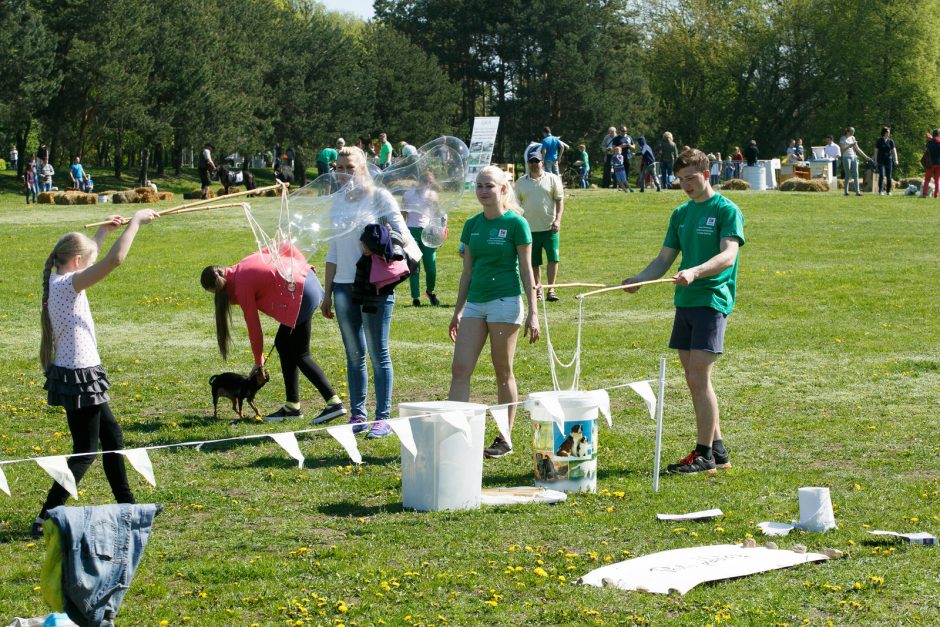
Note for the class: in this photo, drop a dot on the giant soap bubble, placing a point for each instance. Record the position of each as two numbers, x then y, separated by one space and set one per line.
337 205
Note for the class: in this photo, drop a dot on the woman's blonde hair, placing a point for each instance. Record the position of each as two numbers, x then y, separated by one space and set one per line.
69 245
213 279
667 136
358 157
508 199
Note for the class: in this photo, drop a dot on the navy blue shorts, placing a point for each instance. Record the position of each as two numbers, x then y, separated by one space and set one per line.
698 328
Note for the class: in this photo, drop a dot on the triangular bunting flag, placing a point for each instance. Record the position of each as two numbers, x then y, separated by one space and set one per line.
288 442
644 389
57 467
345 436
554 410
459 421
141 462
3 483
500 414
402 428
603 404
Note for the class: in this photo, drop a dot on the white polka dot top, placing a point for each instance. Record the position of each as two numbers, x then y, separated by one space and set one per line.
72 326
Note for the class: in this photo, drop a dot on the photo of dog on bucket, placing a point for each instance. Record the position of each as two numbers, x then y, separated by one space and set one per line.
238 388
576 444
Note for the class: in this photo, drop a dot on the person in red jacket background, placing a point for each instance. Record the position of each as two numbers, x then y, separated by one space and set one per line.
256 284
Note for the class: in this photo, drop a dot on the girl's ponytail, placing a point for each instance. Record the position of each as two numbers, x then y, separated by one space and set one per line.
213 280
46 342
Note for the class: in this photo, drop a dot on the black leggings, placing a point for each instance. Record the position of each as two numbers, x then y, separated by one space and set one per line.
293 347
89 425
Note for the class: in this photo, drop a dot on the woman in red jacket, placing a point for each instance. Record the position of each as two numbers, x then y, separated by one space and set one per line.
258 283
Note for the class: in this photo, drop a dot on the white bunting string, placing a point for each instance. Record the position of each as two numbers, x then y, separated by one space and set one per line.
500 414
345 436
141 462
57 467
288 442
402 428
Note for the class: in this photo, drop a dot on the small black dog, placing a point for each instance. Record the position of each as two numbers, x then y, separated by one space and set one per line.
238 388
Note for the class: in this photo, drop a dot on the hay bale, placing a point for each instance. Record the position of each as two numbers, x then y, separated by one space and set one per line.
196 194
231 190
145 195
45 198
165 195
736 184
127 196
272 193
81 198
64 198
804 185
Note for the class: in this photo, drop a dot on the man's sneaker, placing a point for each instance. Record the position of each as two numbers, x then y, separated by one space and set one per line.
329 412
498 448
722 460
551 296
433 298
358 423
691 463
284 413
378 430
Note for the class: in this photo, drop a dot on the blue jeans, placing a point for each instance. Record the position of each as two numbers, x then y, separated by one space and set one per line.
551 166
885 170
666 174
364 332
585 177
47 187
850 167
101 548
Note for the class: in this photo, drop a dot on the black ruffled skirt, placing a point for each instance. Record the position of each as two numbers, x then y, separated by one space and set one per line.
75 388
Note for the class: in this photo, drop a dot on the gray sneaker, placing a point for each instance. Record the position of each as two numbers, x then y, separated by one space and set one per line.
499 448
329 412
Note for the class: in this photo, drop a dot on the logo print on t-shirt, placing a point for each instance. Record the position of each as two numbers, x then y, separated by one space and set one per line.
710 221
502 232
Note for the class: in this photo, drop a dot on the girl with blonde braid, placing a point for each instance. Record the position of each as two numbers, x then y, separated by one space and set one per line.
68 353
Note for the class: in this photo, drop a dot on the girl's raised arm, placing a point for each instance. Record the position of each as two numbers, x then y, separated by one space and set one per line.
83 279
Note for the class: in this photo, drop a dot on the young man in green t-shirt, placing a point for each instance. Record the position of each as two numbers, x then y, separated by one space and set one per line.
708 230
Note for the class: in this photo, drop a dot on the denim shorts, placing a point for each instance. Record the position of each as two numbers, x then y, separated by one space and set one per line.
508 309
698 328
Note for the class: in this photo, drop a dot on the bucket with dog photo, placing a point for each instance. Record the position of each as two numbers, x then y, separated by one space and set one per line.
564 440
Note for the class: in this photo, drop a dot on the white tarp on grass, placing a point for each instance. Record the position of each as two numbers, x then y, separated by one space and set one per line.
680 570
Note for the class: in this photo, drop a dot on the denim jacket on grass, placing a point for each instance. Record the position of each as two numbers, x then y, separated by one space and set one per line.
101 547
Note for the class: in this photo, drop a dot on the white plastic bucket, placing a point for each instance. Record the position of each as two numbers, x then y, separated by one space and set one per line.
816 510
564 448
756 176
447 472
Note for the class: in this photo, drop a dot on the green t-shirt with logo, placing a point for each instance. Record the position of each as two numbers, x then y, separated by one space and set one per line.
696 230
492 245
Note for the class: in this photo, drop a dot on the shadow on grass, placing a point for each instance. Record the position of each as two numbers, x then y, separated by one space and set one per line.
284 461
349 509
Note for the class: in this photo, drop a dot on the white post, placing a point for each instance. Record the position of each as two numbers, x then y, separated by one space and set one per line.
660 397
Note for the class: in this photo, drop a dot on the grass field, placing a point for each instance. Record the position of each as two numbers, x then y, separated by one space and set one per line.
831 378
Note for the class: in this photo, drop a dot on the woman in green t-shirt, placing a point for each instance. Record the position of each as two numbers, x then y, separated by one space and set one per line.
498 247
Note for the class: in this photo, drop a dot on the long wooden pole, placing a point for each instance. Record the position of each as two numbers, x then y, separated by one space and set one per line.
574 285
205 201
192 209
620 287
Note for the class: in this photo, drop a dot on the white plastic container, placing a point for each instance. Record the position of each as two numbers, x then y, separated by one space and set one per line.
447 472
756 176
564 450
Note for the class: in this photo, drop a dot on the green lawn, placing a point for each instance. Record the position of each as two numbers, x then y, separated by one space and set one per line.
831 378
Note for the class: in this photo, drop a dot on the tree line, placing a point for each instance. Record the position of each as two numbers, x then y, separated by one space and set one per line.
112 78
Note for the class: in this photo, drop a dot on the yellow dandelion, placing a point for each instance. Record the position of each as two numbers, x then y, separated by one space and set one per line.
540 572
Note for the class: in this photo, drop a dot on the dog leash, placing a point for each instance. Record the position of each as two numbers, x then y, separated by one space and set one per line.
268 356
